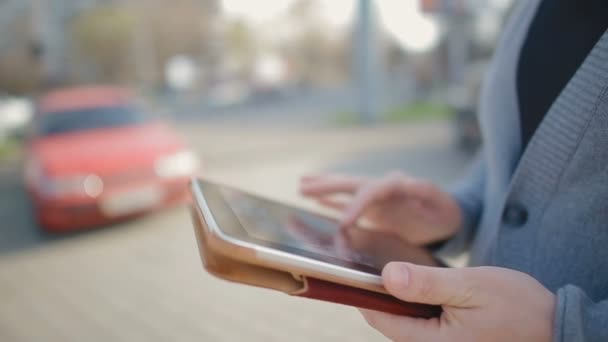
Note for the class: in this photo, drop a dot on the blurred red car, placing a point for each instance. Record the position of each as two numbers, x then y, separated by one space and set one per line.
94 157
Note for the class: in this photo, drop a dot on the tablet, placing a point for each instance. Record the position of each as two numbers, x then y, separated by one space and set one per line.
250 239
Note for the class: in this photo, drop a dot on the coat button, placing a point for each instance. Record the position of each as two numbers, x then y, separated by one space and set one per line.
514 215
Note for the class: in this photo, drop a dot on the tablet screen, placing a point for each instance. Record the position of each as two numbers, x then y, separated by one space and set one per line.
297 231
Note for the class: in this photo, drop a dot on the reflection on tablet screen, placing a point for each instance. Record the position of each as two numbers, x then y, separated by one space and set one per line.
271 222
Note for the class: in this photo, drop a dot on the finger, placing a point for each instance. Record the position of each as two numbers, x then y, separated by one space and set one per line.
332 185
415 188
324 176
363 198
311 177
394 183
341 245
333 203
400 328
431 285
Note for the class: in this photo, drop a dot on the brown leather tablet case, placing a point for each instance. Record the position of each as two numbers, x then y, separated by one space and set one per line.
222 266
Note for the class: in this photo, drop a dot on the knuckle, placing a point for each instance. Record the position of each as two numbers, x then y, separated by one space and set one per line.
424 288
418 237
367 193
425 291
395 174
470 292
394 183
394 178
373 190
467 296
425 184
426 187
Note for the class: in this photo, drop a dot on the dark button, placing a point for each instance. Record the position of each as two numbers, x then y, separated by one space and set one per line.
515 215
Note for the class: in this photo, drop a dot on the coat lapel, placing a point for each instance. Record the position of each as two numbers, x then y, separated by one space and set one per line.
558 135
556 140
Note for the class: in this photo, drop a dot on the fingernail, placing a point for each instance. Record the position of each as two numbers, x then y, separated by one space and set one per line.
398 274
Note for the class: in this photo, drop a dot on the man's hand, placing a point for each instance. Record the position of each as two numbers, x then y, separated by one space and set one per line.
479 304
417 211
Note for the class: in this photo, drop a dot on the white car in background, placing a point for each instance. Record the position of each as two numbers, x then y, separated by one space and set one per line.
15 114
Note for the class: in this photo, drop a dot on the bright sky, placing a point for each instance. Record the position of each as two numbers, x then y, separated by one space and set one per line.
337 12
402 19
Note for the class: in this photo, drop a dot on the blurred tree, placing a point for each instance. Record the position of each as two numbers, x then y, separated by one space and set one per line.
317 55
101 39
241 45
181 28
303 10
18 73
19 66
132 41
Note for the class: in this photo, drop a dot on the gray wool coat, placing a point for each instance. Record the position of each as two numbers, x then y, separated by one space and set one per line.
544 210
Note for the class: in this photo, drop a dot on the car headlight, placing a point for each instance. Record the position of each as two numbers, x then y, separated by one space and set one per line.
90 185
180 164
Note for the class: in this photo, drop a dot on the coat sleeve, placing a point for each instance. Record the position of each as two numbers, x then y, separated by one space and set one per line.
578 318
469 194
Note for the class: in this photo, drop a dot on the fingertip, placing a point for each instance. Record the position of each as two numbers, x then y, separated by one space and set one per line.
396 276
305 182
310 177
307 189
353 211
312 189
348 220
306 178
303 189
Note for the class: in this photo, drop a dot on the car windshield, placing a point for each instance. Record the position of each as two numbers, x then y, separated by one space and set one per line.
88 119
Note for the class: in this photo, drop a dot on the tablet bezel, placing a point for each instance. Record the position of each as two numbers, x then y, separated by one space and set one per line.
214 209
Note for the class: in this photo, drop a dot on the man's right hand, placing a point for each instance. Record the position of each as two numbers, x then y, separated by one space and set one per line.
416 210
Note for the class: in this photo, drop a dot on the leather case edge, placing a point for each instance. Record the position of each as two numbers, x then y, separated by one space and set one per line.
225 268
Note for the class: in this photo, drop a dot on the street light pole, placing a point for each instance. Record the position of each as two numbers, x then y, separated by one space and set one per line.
143 48
10 12
458 41
49 26
366 63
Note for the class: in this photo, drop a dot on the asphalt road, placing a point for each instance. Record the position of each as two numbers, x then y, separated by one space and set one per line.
142 280
299 107
17 227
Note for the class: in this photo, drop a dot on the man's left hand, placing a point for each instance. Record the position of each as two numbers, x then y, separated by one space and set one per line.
479 304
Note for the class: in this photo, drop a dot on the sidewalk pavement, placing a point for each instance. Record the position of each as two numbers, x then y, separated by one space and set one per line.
143 280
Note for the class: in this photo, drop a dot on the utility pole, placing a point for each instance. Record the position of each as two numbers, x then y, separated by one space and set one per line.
366 63
456 16
212 44
48 21
10 12
143 47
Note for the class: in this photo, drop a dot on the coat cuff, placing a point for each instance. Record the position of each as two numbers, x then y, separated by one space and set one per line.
578 318
470 209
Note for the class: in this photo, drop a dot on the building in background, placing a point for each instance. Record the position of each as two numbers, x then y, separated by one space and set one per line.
238 49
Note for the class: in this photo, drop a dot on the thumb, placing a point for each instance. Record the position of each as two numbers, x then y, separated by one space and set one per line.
431 285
